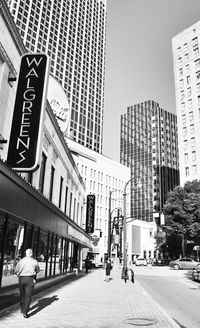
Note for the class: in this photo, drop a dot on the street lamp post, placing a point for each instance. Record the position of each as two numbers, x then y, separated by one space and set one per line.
125 246
109 224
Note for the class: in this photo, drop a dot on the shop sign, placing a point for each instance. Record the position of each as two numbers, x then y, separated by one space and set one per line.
59 103
90 213
30 102
95 240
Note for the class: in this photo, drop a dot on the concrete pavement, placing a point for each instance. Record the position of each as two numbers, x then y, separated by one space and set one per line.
87 301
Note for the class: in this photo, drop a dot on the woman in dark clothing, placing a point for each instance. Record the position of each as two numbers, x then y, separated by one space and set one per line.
108 268
87 264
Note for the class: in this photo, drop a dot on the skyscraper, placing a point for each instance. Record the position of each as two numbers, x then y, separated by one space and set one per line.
72 33
149 146
186 57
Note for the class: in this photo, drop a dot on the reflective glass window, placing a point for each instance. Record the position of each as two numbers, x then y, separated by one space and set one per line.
42 253
13 251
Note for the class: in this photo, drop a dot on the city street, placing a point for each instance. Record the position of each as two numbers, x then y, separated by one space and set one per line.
174 291
99 163
87 301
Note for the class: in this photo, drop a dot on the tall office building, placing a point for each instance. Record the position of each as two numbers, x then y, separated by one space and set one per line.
186 57
149 146
72 33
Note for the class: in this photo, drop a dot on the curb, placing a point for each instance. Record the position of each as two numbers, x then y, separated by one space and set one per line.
159 309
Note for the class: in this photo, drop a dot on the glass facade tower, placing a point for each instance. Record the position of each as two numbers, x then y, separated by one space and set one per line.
149 146
72 33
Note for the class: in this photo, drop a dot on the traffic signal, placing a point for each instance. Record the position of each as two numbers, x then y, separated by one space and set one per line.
100 233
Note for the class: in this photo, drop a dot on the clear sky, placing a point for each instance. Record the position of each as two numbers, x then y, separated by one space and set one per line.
139 63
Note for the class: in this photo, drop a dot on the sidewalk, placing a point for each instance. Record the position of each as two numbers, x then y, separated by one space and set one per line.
86 301
9 297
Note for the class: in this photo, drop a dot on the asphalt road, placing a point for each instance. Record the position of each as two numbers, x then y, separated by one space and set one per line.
174 291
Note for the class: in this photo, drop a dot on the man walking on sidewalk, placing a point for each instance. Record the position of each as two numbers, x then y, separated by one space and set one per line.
26 270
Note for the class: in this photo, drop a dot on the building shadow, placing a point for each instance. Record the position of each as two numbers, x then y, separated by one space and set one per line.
41 304
10 295
7 300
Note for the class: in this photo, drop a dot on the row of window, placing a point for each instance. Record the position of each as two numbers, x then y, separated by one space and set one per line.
185 47
190 117
55 254
186 56
193 156
188 91
193 169
145 122
192 143
191 127
74 206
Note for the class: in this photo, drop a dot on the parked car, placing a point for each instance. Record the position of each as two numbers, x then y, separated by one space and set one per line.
99 264
183 263
94 264
91 264
196 273
161 262
141 261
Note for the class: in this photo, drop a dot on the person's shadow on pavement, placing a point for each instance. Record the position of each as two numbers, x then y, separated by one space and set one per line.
41 304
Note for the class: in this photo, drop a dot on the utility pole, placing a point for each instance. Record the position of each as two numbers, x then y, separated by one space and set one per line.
125 245
109 225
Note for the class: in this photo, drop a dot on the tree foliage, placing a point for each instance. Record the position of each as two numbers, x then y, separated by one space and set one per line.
182 211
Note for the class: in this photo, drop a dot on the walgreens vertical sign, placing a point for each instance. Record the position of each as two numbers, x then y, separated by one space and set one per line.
28 117
90 213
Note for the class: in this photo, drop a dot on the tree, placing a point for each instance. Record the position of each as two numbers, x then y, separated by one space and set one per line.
182 213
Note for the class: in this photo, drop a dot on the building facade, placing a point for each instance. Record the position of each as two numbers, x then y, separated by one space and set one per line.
105 179
149 146
186 56
141 240
72 33
42 209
